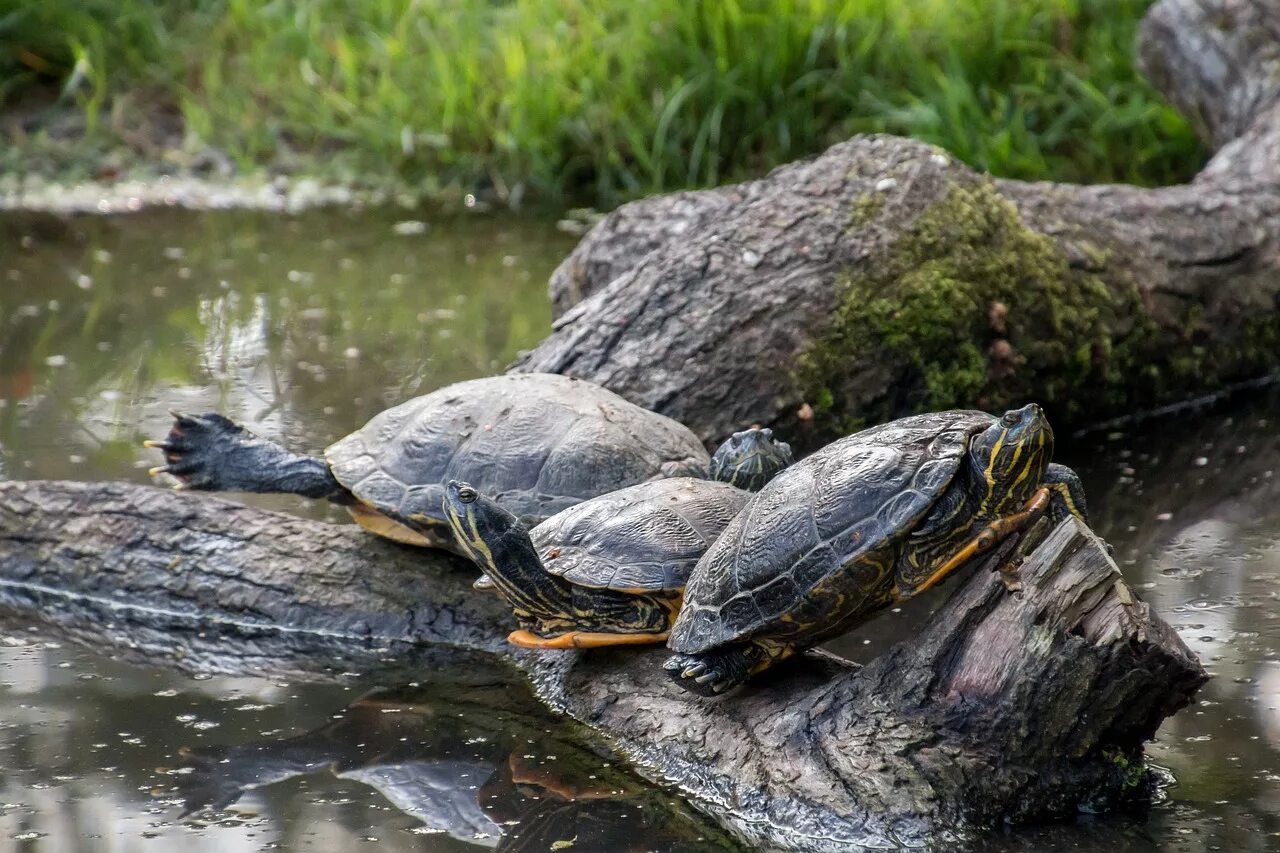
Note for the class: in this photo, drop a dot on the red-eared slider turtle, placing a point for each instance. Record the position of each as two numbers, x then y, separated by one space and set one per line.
750 459
606 572
537 443
869 520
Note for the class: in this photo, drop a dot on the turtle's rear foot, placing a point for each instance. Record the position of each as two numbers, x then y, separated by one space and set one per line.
212 453
711 673
198 450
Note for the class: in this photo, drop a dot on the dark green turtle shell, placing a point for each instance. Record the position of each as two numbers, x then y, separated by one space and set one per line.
815 519
643 538
535 442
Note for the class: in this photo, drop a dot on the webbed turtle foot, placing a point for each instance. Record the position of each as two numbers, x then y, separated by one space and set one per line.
709 674
197 448
213 453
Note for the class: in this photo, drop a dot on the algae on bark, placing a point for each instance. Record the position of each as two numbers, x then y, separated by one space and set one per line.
971 306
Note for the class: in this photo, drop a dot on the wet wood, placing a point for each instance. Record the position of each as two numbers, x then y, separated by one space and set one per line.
719 308
1006 705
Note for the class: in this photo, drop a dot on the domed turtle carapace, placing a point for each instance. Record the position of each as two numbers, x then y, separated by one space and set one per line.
869 520
535 442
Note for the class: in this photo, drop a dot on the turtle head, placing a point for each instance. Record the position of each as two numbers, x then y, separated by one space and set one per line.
500 545
750 458
1011 456
477 521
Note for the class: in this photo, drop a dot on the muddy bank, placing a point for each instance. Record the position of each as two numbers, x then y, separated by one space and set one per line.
38 194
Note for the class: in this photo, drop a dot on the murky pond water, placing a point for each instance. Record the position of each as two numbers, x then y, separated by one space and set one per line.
304 327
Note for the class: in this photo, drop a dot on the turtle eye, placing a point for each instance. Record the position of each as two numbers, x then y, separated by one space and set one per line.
1010 419
466 493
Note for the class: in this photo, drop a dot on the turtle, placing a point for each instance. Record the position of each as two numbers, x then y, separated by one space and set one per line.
869 520
748 459
751 458
608 571
537 442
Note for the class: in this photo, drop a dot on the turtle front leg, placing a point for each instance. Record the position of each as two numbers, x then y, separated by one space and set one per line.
988 538
1067 497
212 453
720 670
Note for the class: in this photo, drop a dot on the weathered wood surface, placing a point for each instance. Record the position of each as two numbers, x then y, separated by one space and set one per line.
1006 705
884 277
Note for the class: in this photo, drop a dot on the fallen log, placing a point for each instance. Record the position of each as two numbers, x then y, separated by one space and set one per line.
1005 706
884 277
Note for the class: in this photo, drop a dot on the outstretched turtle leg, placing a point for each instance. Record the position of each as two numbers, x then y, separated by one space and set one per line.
582 640
212 453
720 670
989 537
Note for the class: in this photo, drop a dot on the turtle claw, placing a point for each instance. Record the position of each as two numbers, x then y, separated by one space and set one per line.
709 673
195 448
696 675
695 671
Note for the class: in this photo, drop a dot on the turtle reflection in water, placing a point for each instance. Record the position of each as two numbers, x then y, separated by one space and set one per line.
536 442
472 766
872 519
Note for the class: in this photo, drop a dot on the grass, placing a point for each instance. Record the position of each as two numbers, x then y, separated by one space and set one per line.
604 100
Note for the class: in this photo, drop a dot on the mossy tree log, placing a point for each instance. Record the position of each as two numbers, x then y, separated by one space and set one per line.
1006 705
884 277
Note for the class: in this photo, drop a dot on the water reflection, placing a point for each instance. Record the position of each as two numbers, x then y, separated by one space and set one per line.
101 754
301 327
465 763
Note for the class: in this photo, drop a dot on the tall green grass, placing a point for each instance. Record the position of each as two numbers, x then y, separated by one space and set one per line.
613 99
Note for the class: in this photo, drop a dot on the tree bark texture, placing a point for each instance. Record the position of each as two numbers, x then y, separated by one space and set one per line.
885 277
1007 705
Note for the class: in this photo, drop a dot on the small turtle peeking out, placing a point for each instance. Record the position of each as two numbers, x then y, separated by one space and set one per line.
536 442
610 571
872 519
750 459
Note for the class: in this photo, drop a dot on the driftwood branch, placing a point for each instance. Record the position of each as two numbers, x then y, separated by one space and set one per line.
884 277
1005 705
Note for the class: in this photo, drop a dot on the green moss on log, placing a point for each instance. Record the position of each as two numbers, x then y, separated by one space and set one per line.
865 209
970 307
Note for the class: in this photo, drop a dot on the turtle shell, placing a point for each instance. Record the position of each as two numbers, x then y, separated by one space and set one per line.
535 442
645 538
815 520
